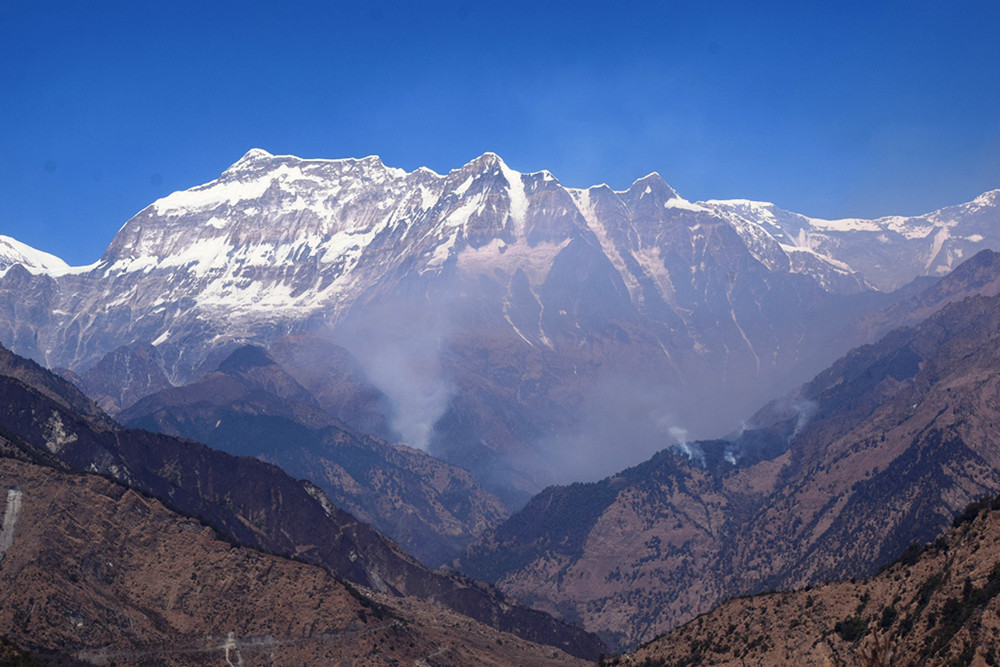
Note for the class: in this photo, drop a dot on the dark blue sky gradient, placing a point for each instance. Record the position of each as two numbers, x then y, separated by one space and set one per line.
830 109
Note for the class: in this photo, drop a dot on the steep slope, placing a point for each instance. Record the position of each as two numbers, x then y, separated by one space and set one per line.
626 557
249 502
935 606
251 407
95 572
493 309
55 389
980 274
878 451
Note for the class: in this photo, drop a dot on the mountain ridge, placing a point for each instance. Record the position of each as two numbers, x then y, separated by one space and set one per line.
250 406
528 298
764 213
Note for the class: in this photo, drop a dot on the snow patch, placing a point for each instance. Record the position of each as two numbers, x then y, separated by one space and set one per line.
73 270
427 198
10 516
460 216
199 257
518 198
939 239
684 204
443 251
651 261
585 205
845 225
229 191
461 190
836 264
759 207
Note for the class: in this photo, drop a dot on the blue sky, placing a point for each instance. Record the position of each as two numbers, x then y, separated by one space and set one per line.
830 109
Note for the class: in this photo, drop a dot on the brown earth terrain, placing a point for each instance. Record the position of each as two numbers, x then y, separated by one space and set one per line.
96 572
936 605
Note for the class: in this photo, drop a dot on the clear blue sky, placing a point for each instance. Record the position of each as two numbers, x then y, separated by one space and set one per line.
831 109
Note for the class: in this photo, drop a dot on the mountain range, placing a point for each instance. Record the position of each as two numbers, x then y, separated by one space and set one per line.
510 322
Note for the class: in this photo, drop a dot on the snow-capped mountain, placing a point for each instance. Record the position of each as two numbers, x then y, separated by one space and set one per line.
888 252
14 252
513 322
280 236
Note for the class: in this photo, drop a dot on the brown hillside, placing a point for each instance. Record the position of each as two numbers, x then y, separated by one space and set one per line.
939 607
93 571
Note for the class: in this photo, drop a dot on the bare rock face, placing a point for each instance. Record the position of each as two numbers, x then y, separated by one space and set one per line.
935 605
251 407
248 502
494 311
833 481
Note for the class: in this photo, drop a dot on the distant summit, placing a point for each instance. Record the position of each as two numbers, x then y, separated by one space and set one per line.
14 252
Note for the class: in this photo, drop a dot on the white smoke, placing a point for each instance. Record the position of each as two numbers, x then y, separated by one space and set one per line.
399 346
409 373
805 409
680 435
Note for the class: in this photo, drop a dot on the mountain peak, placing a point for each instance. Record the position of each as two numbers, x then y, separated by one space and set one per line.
491 156
653 183
486 161
245 358
990 198
251 156
13 252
